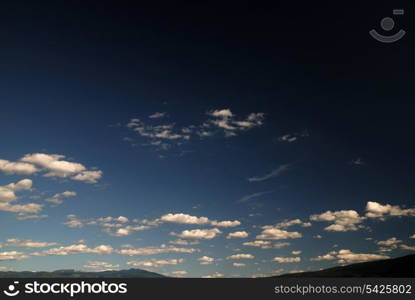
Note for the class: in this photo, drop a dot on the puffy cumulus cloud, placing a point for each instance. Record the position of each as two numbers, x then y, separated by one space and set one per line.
238 265
184 242
376 210
8 197
76 249
184 219
88 176
26 243
296 252
73 222
124 231
273 233
281 245
155 262
238 235
99 266
393 241
215 275
289 223
20 168
226 223
55 166
280 259
198 234
241 256
259 244
348 257
13 255
57 199
274 173
155 250
206 260
343 220
8 192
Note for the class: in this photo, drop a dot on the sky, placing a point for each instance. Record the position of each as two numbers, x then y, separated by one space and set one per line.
204 140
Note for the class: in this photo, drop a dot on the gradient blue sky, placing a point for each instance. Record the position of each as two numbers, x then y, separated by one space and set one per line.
311 136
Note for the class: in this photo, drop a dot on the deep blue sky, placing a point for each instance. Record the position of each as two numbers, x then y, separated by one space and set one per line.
332 127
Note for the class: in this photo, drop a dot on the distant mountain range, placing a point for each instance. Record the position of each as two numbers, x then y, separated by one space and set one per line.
131 273
400 267
396 267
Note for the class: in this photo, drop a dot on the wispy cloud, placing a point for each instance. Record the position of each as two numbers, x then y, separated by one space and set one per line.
274 173
253 196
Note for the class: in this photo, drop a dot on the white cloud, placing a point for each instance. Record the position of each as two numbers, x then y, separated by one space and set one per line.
289 223
13 242
57 199
238 265
389 242
73 222
412 236
281 245
259 244
20 168
215 275
76 249
184 219
206 234
99 266
157 115
155 262
55 166
12 255
276 172
179 273
206 260
238 234
406 247
23 217
376 210
280 259
296 252
226 223
343 220
155 250
347 257
253 196
184 242
8 192
288 138
273 233
21 208
241 256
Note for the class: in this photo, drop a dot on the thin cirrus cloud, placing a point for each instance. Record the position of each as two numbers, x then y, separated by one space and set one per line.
274 173
53 165
253 196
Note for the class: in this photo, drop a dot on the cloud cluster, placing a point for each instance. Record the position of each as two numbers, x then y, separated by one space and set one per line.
53 165
12 255
238 235
57 199
155 250
181 218
13 242
241 256
280 259
198 234
166 134
376 210
8 197
348 257
206 260
99 266
76 249
343 220
274 233
155 262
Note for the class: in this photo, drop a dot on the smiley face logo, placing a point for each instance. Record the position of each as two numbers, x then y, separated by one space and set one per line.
11 290
388 24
